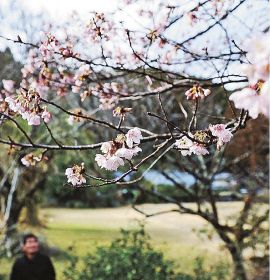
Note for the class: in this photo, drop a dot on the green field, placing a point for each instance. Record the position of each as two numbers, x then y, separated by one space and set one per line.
175 234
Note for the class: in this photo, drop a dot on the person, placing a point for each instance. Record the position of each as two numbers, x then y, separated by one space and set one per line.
32 265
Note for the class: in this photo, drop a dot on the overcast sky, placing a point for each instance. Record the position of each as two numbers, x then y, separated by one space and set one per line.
61 8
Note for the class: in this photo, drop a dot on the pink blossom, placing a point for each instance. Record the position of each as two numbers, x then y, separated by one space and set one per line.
127 153
34 119
134 135
8 85
114 162
220 131
107 103
75 89
46 116
198 149
124 153
197 92
25 115
252 101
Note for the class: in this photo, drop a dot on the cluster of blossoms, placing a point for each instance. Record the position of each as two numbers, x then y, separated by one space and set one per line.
75 175
255 97
98 27
49 46
188 147
80 76
223 134
108 94
197 92
116 151
27 104
31 159
36 74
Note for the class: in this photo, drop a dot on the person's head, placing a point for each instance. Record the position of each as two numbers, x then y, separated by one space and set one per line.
30 244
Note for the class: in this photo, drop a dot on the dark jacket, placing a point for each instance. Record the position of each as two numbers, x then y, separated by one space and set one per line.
38 268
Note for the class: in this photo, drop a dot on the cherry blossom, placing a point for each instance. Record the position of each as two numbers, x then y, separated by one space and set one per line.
184 145
114 162
220 131
121 111
258 54
13 104
128 153
30 159
8 85
198 149
108 102
101 160
255 102
255 97
27 104
75 175
46 116
134 135
188 147
72 119
197 92
115 152
106 147
33 119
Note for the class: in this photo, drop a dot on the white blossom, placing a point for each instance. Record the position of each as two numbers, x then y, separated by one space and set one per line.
75 175
134 135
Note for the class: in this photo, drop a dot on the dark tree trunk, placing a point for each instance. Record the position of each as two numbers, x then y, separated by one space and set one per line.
239 272
238 263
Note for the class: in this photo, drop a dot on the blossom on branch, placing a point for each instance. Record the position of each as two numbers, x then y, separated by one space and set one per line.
28 105
46 115
188 147
221 132
197 92
75 175
118 150
128 153
134 135
255 97
30 159
184 145
198 149
8 85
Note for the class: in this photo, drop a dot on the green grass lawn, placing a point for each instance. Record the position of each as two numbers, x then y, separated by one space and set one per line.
84 229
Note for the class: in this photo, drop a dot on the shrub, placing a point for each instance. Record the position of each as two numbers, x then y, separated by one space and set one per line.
130 257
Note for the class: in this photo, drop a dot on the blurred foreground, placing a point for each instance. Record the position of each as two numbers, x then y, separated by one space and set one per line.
182 238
